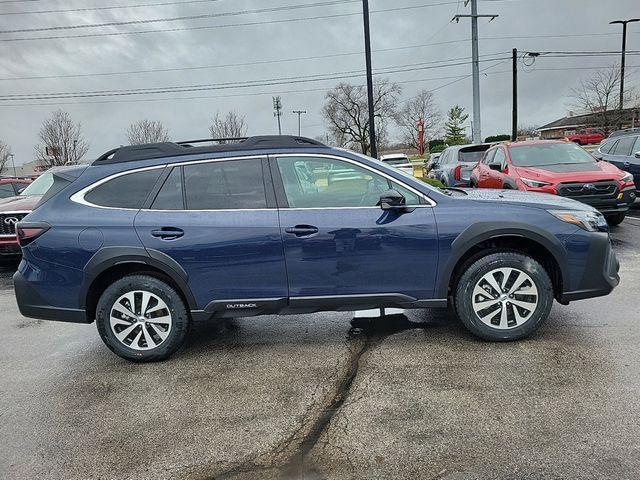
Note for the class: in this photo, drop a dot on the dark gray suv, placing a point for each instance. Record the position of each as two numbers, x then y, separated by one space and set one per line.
623 152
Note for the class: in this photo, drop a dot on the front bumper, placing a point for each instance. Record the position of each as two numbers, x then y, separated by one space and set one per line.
9 246
600 274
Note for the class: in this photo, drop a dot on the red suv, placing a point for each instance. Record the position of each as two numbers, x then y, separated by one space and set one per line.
560 168
12 186
15 207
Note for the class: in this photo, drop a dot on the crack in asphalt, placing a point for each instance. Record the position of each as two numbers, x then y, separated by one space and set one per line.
288 459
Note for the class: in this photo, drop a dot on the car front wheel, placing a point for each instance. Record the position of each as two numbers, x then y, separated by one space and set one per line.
142 319
504 296
614 220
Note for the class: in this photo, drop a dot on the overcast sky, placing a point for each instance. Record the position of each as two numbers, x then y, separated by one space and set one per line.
550 25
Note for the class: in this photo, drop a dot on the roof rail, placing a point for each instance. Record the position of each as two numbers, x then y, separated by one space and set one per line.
170 149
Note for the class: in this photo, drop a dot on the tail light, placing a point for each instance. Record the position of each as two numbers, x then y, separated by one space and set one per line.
27 232
456 172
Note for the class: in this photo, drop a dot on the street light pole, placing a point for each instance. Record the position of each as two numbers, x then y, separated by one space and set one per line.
299 112
13 163
622 61
367 55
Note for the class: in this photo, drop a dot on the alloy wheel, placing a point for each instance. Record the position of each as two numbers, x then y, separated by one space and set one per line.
505 298
140 320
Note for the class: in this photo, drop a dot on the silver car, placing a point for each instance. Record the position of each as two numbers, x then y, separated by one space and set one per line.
454 166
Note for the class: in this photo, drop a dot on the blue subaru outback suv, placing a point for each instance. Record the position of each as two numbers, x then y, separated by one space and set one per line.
148 239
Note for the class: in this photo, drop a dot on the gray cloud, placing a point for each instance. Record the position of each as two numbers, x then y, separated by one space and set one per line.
543 94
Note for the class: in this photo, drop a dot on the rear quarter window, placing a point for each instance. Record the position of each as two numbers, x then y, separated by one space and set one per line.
126 191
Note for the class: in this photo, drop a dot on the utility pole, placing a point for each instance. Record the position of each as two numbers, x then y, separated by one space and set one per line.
514 113
624 49
299 112
277 111
14 165
477 130
367 54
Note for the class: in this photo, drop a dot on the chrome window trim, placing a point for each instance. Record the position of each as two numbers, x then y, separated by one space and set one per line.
431 203
78 197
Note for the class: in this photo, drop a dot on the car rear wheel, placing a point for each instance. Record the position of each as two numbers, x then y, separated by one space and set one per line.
142 319
614 220
504 296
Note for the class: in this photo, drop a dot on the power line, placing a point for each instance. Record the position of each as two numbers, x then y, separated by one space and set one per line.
239 64
207 27
182 18
233 95
112 7
224 85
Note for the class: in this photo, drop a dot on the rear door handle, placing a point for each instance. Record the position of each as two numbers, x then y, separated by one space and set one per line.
302 230
168 233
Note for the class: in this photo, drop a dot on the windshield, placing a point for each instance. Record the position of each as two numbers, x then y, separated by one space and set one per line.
40 185
548 154
396 161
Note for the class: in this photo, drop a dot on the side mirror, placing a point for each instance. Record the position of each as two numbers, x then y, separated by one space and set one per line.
496 166
392 200
637 154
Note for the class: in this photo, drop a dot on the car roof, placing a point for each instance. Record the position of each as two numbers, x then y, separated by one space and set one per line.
149 151
528 143
469 145
393 155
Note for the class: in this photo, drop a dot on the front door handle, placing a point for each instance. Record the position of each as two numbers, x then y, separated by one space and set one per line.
302 230
168 233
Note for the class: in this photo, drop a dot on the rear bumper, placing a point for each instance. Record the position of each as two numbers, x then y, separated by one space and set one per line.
32 305
600 275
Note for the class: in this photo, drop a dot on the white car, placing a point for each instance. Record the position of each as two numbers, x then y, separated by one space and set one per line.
399 161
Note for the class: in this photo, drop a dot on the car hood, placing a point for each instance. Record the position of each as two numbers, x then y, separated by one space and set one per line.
571 172
21 203
540 200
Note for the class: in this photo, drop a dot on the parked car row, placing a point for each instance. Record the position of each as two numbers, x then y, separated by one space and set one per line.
551 166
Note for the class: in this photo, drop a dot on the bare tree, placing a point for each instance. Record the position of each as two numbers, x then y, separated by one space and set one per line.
598 94
5 154
422 106
347 112
61 141
147 131
232 125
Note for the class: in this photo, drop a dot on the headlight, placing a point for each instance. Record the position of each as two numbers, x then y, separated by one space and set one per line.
589 221
627 177
533 183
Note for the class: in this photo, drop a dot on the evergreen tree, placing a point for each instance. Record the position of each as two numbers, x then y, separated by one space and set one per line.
454 126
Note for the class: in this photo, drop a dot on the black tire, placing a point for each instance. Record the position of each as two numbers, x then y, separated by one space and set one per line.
577 142
474 272
178 330
615 220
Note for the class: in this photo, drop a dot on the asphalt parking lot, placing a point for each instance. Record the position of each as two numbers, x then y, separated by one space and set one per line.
331 396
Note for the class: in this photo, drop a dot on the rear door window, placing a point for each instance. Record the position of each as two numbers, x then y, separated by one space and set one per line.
623 147
126 191
607 147
223 185
170 195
